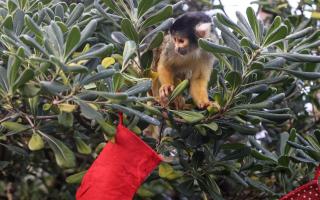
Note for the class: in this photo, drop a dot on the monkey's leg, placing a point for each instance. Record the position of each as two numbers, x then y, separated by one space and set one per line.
199 91
179 102
166 78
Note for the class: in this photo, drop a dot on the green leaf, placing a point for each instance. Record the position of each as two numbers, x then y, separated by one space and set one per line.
14 126
238 178
4 84
12 5
99 50
237 154
66 107
64 156
317 135
65 119
144 5
54 87
114 7
162 27
208 184
119 37
26 76
30 90
253 23
75 68
89 112
75 14
62 27
130 111
82 147
36 142
33 26
175 175
76 178
212 126
244 26
275 25
152 110
108 128
299 74
255 89
189 116
300 34
156 18
165 170
31 42
146 59
156 41
277 35
14 63
256 144
87 32
8 22
245 130
227 22
261 105
256 154
121 96
98 76
214 48
277 63
178 90
128 52
259 185
59 11
234 78
15 149
140 87
271 116
117 81
73 39
129 30
295 57
246 42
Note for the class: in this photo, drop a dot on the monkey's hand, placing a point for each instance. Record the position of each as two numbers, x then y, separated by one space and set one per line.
164 91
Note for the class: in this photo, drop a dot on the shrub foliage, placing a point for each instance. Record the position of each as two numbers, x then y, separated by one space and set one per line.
68 69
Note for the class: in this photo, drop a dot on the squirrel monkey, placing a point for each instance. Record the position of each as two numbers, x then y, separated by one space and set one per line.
179 57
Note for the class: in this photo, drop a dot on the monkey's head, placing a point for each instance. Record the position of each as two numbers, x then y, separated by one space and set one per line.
187 29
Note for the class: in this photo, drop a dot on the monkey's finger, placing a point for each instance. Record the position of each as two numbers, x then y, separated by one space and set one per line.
167 91
161 94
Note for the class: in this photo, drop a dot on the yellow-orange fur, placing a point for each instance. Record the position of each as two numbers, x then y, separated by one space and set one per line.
172 67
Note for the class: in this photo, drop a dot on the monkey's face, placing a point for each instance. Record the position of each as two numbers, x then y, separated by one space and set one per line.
182 45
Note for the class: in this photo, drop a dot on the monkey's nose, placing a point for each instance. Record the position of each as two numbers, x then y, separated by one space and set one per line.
182 51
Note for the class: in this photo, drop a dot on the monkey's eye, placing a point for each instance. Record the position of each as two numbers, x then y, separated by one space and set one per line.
180 41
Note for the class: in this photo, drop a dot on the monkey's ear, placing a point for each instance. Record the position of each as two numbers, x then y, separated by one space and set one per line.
203 30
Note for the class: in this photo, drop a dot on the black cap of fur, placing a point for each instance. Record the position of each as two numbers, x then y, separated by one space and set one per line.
186 23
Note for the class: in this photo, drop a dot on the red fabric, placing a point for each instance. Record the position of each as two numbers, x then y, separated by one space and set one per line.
309 191
120 168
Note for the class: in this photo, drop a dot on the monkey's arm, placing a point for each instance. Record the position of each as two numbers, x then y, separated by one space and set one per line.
199 86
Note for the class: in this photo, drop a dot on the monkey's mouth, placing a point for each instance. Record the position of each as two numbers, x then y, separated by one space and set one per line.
182 52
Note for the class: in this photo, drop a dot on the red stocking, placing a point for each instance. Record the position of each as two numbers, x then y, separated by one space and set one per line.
309 191
119 169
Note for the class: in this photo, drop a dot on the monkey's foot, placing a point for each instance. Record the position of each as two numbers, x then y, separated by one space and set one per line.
179 103
203 104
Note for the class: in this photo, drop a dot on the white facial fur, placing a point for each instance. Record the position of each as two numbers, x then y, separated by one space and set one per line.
203 30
